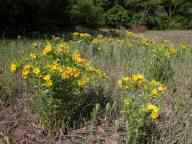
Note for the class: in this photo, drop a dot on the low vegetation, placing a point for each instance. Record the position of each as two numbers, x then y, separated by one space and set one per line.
143 87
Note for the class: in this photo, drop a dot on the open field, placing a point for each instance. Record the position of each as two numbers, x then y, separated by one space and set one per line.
173 36
164 56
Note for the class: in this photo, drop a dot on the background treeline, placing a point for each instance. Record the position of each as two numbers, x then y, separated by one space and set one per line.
32 15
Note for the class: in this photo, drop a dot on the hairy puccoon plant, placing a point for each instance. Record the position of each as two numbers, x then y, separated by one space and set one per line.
140 103
62 76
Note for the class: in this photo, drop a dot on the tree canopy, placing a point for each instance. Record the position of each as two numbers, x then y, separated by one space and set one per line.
25 15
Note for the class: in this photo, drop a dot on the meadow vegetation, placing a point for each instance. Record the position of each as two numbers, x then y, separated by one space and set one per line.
142 86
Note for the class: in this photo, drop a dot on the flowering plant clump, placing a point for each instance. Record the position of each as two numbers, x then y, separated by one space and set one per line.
81 35
61 75
141 101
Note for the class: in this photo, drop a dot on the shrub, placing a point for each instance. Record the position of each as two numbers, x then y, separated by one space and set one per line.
60 76
161 68
117 16
86 12
140 103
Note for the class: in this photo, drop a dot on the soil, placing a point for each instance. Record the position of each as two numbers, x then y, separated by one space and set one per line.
19 127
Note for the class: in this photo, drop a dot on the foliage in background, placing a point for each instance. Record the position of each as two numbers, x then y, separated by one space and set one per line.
87 12
27 16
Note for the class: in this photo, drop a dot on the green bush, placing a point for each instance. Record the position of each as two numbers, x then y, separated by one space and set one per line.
140 103
60 77
86 12
117 16
22 15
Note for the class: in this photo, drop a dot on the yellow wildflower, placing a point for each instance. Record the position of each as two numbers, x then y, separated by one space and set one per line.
162 88
78 59
138 77
70 72
49 83
55 66
26 71
48 80
84 35
95 71
154 110
47 49
47 77
155 93
36 71
154 115
75 34
124 82
13 68
130 35
172 51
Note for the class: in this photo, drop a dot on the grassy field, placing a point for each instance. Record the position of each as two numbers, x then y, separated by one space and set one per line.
165 56
174 36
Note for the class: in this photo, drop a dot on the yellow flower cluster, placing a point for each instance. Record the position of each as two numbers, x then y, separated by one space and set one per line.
146 41
59 66
124 82
26 71
83 35
55 67
78 59
48 49
135 80
138 81
100 39
157 88
96 72
48 81
172 51
154 111
130 35
13 68
138 78
146 90
70 72
162 88
37 71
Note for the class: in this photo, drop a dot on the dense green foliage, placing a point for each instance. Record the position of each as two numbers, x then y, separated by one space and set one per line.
24 15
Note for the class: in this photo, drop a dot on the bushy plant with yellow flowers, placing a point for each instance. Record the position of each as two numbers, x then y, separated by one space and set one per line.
81 35
61 75
163 55
140 103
